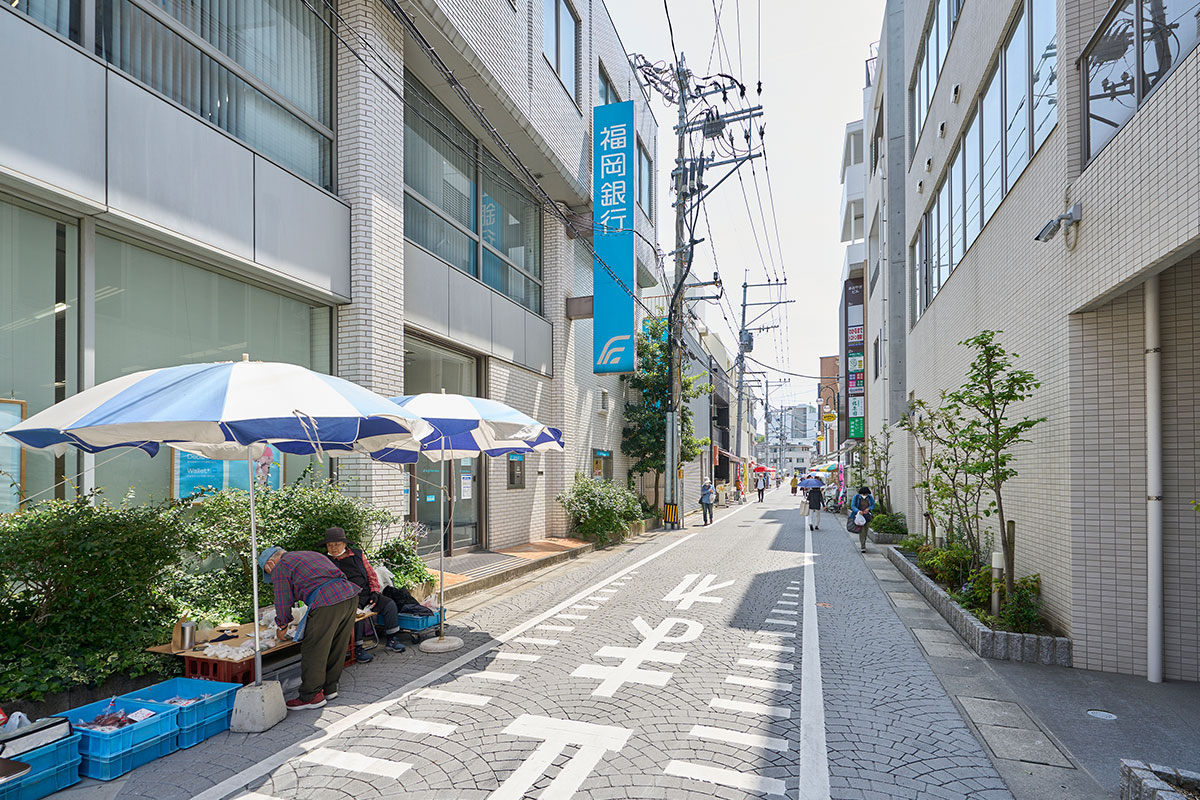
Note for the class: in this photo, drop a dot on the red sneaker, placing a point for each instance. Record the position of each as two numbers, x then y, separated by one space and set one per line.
298 704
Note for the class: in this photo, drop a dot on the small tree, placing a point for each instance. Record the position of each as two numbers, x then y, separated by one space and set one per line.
644 436
956 479
879 466
992 386
921 424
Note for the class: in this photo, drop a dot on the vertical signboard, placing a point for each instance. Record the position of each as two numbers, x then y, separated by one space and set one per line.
613 141
855 360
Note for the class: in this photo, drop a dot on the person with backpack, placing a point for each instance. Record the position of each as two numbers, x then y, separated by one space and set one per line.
862 503
706 501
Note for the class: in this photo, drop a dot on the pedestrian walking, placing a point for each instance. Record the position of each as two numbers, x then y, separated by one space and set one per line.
862 503
816 501
327 628
706 501
760 483
795 484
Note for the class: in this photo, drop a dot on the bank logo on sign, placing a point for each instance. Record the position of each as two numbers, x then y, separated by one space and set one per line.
613 317
611 354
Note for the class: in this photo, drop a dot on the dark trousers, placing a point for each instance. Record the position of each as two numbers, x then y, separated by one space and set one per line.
708 512
323 650
386 619
760 494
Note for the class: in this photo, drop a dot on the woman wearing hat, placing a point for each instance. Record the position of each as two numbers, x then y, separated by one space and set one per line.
328 626
353 563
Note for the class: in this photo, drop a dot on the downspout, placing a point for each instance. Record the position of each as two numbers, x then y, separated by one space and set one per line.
1154 490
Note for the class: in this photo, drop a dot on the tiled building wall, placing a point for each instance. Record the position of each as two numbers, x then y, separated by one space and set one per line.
370 153
516 516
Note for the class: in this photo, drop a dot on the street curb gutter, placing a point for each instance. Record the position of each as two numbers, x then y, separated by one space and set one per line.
465 588
1000 645
1142 781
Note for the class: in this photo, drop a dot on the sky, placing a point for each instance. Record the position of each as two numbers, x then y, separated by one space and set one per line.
812 57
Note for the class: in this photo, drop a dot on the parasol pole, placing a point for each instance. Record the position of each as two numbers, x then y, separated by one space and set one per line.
442 545
254 573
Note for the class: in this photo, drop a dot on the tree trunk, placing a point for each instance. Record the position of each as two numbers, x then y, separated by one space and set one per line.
657 475
1007 542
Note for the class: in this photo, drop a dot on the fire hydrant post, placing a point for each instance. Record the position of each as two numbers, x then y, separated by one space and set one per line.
997 577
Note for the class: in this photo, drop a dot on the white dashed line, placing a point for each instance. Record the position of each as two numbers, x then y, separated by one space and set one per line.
609 591
488 675
725 777
535 640
548 627
786 611
409 725
518 656
599 599
781 621
736 737
254 796
786 603
750 708
461 698
757 662
355 762
774 648
814 758
571 616
777 634
583 607
758 683
786 594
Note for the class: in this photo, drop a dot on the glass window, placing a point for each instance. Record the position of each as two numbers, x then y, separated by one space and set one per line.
644 177
434 233
945 229
607 93
39 342
957 219
972 174
1111 98
916 253
156 311
61 16
512 220
1170 29
943 26
149 51
993 134
560 42
1016 108
439 156
1045 70
919 100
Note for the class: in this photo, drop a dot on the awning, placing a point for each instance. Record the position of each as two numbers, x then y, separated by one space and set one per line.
729 455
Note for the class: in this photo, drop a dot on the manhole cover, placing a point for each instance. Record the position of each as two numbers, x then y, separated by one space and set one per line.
1098 714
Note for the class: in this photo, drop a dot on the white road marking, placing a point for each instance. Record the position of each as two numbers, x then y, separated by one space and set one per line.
548 627
410 725
630 669
518 656
750 708
786 603
777 634
736 737
725 777
254 796
609 591
599 599
782 621
556 735
785 594
687 595
758 662
238 782
489 675
789 612
758 683
535 640
571 616
584 607
355 762
774 648
814 758
454 697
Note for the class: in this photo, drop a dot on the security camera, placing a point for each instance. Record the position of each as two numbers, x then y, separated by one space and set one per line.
1050 229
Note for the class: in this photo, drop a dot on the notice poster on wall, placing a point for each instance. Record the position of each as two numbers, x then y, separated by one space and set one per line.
12 459
465 487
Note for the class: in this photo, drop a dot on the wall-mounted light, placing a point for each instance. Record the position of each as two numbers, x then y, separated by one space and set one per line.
1050 229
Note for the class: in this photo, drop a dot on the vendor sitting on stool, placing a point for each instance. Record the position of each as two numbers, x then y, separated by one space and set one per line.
353 562
328 625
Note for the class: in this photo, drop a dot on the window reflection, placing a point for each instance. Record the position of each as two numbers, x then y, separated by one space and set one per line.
993 134
1110 85
1045 70
973 175
1016 109
1170 29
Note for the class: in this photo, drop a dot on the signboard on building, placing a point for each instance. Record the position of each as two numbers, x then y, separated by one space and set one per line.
855 360
613 191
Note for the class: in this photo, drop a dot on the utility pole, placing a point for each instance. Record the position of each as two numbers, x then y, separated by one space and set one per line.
767 439
674 317
746 342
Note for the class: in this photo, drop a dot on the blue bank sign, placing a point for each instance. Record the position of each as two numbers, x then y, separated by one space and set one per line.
613 191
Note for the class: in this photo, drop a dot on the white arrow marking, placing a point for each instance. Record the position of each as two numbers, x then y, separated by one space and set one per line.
629 670
556 735
687 597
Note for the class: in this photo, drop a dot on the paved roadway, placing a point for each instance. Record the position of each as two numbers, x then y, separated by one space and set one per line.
752 658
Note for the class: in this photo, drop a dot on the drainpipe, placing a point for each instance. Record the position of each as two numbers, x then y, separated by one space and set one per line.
1154 490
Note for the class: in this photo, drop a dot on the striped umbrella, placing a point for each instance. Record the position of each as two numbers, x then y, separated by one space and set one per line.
226 411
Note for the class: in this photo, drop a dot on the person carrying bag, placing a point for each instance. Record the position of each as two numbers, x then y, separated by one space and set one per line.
706 501
862 508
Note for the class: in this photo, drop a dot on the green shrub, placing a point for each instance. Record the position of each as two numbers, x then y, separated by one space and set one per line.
911 544
1022 612
600 510
83 592
947 565
399 554
977 591
890 523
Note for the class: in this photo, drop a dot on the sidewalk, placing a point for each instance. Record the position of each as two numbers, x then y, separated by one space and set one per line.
473 572
1034 720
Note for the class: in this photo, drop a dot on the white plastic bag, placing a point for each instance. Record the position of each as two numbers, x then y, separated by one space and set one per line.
860 519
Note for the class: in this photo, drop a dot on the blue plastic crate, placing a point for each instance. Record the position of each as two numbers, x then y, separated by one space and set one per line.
49 767
413 622
218 704
98 744
35 787
105 769
190 735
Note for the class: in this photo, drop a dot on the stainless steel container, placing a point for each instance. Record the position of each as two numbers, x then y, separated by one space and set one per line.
188 635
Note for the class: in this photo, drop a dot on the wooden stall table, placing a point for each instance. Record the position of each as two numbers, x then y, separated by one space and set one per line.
197 664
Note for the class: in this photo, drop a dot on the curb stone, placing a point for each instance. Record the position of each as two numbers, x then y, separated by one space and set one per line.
1142 781
988 643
